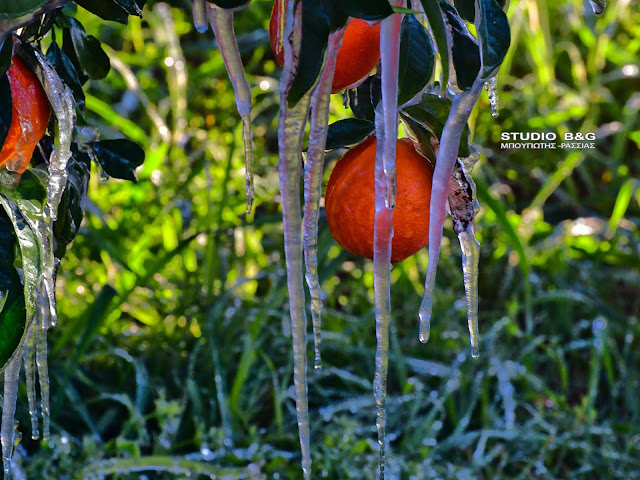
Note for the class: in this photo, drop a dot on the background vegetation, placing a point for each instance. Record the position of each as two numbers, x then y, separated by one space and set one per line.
172 358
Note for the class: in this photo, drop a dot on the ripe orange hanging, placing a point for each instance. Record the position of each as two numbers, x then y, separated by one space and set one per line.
358 55
29 117
350 200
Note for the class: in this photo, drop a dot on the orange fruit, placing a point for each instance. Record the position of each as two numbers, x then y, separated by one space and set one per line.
350 200
358 55
29 117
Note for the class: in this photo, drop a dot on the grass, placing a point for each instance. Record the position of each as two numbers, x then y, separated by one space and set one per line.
172 358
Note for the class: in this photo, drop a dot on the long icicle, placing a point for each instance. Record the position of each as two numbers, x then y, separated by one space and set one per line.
222 23
42 364
9 399
447 155
30 376
463 207
313 169
291 126
385 189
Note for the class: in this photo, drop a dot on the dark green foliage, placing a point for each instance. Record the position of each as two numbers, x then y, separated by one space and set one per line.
416 59
348 132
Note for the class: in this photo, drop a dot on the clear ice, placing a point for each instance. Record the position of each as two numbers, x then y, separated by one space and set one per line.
222 24
314 166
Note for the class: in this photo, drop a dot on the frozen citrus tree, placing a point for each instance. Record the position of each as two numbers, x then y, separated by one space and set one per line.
386 198
45 162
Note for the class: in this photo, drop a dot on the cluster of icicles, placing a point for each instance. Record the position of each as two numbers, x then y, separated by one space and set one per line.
39 270
452 189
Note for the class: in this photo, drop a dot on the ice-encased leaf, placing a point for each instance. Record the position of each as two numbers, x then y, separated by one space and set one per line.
91 58
348 132
119 158
494 35
71 209
12 309
432 113
416 59
439 30
17 8
465 50
105 9
67 71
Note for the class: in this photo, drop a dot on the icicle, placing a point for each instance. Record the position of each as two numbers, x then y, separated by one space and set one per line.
313 169
222 24
598 6
461 107
64 107
43 376
386 122
492 90
463 206
9 399
390 57
30 376
200 21
291 127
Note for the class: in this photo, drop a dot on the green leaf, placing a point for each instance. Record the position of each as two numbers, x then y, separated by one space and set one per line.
420 135
416 59
6 50
465 50
64 66
6 108
494 34
131 7
348 132
432 113
70 210
364 9
363 99
17 8
439 30
119 158
467 8
315 36
91 58
106 10
228 4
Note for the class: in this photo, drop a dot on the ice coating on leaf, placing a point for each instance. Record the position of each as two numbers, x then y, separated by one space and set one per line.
291 125
463 207
390 58
30 376
313 169
9 399
461 107
492 90
222 24
64 107
200 20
